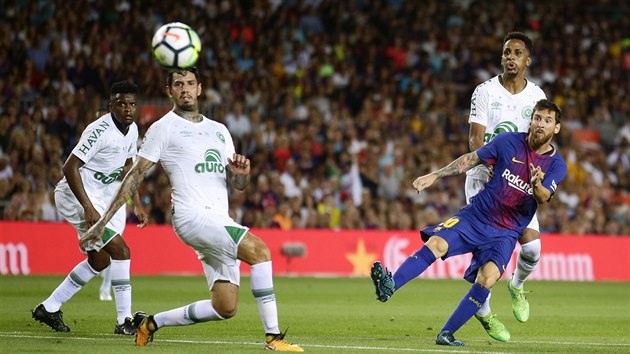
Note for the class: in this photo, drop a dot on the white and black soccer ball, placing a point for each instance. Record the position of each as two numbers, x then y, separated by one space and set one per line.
176 46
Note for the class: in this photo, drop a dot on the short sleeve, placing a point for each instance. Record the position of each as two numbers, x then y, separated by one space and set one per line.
154 142
554 176
489 153
133 147
479 106
229 145
89 144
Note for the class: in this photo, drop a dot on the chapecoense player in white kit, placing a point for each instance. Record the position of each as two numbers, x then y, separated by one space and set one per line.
106 148
199 158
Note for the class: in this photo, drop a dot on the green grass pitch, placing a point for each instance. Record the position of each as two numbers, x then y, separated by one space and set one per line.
325 315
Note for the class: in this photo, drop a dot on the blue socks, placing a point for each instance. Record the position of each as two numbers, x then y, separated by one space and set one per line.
469 305
413 266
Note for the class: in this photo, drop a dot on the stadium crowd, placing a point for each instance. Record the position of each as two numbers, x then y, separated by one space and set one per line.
338 104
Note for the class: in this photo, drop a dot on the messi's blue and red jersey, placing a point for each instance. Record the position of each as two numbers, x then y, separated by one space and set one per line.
506 202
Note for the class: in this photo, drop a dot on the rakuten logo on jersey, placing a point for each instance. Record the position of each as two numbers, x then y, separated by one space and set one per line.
516 182
213 163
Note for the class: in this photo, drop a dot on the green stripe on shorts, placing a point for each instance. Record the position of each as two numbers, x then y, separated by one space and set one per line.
236 233
107 235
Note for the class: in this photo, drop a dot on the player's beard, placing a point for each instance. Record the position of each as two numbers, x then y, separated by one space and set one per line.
189 107
538 140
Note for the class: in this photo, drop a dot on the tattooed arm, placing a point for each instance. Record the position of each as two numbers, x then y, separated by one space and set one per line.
238 171
460 165
138 209
129 186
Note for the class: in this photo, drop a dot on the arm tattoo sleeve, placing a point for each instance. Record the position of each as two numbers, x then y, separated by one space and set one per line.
460 165
239 182
130 185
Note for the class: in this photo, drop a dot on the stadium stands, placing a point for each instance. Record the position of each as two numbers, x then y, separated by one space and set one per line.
343 103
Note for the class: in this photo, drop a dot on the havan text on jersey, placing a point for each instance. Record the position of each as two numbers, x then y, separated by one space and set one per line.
93 137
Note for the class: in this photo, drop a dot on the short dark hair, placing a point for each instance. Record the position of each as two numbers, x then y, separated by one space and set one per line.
548 105
192 69
521 37
122 87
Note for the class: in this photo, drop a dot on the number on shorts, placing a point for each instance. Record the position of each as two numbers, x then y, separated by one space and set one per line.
450 222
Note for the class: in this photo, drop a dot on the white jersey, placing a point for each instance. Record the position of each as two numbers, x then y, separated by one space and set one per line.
104 150
500 111
194 155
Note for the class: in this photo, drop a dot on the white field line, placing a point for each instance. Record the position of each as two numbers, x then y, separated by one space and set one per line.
379 348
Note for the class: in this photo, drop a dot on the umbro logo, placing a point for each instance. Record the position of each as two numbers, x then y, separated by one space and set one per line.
517 161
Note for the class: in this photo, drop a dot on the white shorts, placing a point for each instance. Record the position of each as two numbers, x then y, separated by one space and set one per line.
474 185
70 208
215 239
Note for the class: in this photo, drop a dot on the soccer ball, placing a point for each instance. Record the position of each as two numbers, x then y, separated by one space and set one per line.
176 46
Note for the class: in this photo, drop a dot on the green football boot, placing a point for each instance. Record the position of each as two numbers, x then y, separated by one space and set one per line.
520 306
494 327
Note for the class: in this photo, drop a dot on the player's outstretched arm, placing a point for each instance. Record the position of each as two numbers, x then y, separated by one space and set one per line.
458 166
129 186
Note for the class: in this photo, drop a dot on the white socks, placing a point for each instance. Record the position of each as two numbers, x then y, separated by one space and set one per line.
82 274
119 270
262 288
200 311
526 263
485 308
78 277
106 284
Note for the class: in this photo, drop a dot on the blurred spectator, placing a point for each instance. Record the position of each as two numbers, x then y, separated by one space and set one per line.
339 105
238 122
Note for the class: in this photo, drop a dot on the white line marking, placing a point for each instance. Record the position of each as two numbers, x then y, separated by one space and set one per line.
424 350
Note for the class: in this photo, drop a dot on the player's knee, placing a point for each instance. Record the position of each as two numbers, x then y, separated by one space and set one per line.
488 275
529 235
437 245
124 252
225 310
531 251
98 260
227 313
261 252
253 250
117 249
